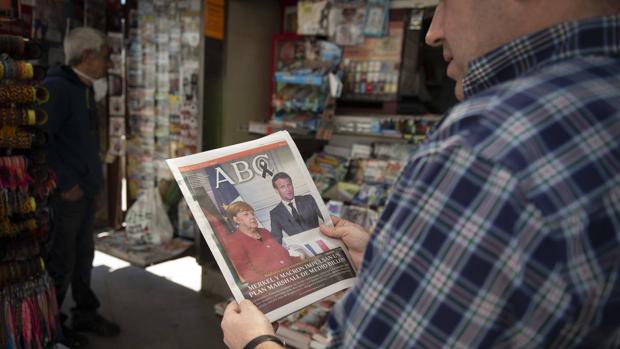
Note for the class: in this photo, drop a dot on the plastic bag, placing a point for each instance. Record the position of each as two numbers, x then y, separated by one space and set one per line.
187 227
147 221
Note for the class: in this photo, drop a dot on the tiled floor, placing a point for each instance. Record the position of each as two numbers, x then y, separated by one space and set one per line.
159 307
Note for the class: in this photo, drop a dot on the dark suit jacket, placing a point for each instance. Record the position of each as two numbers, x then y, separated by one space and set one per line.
282 219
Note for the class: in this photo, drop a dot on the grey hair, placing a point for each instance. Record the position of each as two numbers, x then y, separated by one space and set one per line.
80 40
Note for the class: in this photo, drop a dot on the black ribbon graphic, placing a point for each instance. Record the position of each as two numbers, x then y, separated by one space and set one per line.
263 165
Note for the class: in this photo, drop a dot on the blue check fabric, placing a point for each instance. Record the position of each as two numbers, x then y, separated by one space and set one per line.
503 230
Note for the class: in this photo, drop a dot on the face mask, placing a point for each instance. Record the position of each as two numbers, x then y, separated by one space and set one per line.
100 86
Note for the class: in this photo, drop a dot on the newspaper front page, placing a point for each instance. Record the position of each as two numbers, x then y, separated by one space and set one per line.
259 211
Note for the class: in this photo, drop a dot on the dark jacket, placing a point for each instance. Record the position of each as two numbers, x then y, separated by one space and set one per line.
281 218
73 151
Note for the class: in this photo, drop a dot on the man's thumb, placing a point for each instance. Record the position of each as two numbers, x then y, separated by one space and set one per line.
246 305
330 231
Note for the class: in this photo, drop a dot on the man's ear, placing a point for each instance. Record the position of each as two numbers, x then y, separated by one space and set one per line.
85 55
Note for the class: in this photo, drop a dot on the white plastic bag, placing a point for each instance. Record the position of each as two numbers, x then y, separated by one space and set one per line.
147 221
187 226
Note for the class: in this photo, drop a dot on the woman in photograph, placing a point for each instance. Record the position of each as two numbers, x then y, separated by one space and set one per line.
252 250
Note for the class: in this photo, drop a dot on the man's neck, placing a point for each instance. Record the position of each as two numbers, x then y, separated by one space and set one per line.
83 79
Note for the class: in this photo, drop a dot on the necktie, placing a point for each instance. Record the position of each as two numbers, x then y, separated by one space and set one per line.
295 213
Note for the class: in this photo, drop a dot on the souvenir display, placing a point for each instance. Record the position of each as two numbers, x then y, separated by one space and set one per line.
312 17
371 70
162 96
346 25
28 310
303 100
377 14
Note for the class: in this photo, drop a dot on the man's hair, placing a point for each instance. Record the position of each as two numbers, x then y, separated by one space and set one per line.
280 175
80 40
238 206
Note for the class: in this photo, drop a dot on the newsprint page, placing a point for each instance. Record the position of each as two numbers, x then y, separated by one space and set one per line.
259 211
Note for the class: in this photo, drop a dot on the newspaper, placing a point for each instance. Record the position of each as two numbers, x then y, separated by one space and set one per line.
259 212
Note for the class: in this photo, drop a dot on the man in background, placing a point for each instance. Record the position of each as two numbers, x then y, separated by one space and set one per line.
503 229
73 154
294 214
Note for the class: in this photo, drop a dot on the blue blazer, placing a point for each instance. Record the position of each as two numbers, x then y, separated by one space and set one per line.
282 219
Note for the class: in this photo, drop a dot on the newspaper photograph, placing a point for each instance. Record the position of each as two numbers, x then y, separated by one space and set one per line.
259 212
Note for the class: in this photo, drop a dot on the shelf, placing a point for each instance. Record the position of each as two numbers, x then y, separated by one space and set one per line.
373 135
404 4
299 79
262 129
368 98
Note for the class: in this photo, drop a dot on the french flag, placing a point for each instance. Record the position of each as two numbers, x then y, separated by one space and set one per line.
317 247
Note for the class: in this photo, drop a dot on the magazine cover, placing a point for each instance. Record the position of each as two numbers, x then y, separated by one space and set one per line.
259 212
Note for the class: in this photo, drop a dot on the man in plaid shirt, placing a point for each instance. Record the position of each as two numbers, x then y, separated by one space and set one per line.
504 228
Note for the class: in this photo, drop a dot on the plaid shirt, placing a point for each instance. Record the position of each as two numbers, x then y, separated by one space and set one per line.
504 228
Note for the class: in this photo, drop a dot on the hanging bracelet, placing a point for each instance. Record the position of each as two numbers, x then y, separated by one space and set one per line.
264 338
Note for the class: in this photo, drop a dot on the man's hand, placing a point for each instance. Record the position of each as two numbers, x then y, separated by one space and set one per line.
73 194
243 322
354 237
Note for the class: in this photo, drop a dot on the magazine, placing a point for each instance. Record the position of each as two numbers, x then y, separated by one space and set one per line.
259 212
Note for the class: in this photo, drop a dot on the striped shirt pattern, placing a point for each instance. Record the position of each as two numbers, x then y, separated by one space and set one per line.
503 230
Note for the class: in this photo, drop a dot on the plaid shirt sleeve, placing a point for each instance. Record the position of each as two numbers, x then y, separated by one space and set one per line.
460 259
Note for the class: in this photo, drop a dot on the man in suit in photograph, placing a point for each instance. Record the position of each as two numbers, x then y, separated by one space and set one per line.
294 214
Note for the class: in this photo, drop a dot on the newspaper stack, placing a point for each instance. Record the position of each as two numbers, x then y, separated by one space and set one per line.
307 328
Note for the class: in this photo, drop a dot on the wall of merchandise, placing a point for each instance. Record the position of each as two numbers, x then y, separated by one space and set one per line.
163 72
28 309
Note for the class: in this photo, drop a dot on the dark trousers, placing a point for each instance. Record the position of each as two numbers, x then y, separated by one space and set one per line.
70 258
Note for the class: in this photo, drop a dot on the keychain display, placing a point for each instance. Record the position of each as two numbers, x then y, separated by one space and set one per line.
28 309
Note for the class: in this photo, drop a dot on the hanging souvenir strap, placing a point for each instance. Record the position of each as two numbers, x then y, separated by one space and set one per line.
18 248
18 48
7 314
14 202
19 70
23 94
4 333
20 271
15 195
44 181
15 70
18 138
11 228
22 117
29 314
13 173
